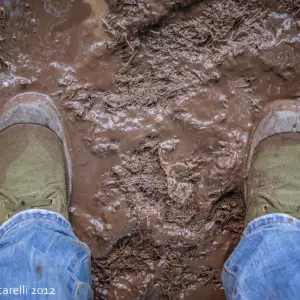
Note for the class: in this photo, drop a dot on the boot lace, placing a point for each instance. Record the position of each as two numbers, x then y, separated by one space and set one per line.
47 197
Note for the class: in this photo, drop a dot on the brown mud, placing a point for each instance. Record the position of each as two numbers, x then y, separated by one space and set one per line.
158 98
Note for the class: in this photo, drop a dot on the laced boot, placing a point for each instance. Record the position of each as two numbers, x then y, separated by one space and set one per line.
35 165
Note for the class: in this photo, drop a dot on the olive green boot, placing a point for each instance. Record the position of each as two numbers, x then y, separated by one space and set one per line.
272 182
35 165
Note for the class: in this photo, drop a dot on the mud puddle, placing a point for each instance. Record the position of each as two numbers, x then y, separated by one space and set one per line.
158 99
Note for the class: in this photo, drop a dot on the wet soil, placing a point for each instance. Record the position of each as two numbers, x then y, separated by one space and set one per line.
158 98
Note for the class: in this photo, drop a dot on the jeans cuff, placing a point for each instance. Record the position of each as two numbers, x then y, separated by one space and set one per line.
271 221
38 214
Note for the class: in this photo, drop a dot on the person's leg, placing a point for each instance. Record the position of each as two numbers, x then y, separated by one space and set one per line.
40 257
266 262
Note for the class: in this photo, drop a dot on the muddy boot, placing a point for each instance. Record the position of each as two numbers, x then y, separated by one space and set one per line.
35 165
273 162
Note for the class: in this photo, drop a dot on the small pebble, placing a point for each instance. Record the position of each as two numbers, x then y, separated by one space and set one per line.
24 83
33 22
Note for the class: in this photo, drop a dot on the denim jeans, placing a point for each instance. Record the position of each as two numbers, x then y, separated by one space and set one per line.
41 258
266 263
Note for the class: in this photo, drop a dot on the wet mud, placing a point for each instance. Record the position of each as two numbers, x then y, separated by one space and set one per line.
158 98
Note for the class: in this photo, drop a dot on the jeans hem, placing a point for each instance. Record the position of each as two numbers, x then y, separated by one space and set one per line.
271 221
31 214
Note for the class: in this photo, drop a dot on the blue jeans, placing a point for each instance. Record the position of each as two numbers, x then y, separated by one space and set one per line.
41 258
266 263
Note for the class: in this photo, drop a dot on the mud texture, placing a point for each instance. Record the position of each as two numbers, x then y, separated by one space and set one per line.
158 98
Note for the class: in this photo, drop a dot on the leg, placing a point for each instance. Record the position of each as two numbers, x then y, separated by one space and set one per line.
39 252
266 263
41 258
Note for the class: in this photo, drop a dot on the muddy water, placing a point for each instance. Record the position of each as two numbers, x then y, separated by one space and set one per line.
47 46
158 121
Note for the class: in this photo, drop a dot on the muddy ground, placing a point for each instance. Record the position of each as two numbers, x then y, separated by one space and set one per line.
158 98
